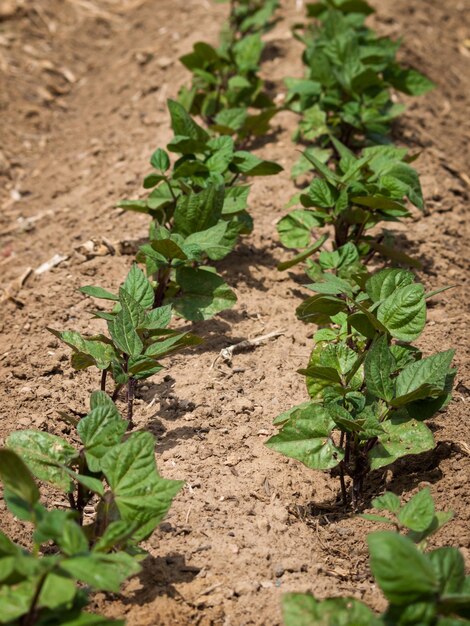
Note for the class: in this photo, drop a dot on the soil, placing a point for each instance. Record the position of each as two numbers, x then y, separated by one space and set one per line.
83 86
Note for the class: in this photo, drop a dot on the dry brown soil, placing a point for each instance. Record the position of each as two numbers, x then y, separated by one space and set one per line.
83 85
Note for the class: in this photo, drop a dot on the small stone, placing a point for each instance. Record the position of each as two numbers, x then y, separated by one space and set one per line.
164 62
43 392
26 390
279 571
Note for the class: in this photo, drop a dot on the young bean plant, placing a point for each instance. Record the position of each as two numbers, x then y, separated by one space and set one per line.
113 473
351 71
360 193
422 588
370 389
49 584
138 339
198 212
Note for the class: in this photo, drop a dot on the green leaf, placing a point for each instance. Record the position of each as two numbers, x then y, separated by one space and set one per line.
298 258
99 352
383 284
450 567
379 366
283 417
158 318
321 193
404 574
418 513
404 312
57 591
199 211
411 82
124 334
45 454
131 308
15 601
320 308
141 495
302 609
251 165
295 229
104 572
160 160
306 437
16 478
183 124
387 502
211 241
423 378
98 292
402 436
178 341
138 287
204 294
101 430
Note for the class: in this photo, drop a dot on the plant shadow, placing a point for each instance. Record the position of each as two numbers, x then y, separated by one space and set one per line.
407 473
158 577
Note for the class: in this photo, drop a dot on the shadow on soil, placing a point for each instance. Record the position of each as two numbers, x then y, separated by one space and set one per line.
407 474
158 577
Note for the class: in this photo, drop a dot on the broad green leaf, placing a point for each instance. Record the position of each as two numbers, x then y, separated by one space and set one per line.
15 600
403 313
295 229
183 124
423 378
16 477
402 436
101 430
321 193
140 494
45 454
387 502
251 165
160 160
124 334
157 318
450 567
418 513
383 284
132 309
411 82
332 284
57 591
98 351
306 436
138 287
301 609
403 573
283 417
199 211
178 341
204 294
211 241
320 308
379 366
104 572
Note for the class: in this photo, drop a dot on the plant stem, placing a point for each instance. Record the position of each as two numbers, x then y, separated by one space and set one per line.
104 373
116 391
30 617
344 495
130 401
162 282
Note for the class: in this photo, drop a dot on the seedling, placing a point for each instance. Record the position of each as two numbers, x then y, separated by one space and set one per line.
198 214
422 589
226 88
367 383
350 74
356 196
46 585
418 517
139 337
250 16
109 471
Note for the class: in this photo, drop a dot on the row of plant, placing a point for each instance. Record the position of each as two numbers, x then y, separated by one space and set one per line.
116 497
370 388
367 382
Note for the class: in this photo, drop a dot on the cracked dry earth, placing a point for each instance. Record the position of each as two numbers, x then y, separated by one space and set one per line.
83 86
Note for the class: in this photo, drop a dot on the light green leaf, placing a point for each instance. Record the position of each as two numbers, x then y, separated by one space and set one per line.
16 477
423 378
404 312
302 609
379 366
401 437
101 430
306 437
104 572
44 454
295 229
404 574
418 513
383 284
204 294
138 287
